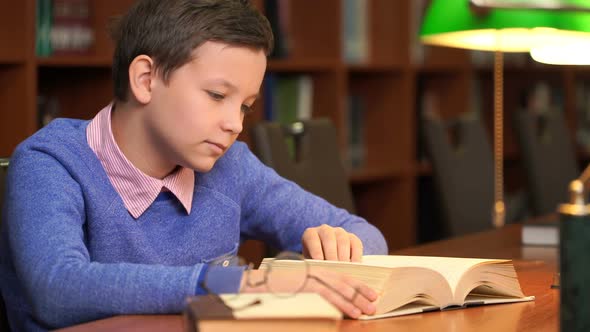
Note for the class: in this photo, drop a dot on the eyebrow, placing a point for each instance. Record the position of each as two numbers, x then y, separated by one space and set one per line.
231 86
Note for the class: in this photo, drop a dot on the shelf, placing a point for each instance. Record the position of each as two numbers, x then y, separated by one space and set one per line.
440 69
11 60
308 65
375 68
582 71
374 174
75 61
521 69
424 168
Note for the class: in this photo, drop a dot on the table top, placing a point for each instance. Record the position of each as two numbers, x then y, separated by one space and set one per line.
535 266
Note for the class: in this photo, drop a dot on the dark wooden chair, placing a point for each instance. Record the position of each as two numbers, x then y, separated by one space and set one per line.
462 163
306 153
548 158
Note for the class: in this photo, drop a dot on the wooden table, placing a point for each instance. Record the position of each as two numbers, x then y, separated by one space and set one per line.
535 267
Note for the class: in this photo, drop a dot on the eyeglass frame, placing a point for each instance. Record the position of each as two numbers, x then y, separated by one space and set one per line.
264 281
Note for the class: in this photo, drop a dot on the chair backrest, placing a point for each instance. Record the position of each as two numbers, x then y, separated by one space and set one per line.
3 169
316 165
462 163
548 158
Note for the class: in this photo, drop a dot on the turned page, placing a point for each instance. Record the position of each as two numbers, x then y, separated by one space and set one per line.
452 269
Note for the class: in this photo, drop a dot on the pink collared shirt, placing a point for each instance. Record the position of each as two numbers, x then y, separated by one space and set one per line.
137 189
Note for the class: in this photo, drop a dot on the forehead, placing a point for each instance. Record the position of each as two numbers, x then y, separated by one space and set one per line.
222 62
220 55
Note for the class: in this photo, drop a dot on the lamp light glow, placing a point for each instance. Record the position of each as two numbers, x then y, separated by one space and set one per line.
503 26
563 53
570 49
464 24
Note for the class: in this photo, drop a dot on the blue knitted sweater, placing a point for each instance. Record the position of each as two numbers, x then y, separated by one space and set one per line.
70 252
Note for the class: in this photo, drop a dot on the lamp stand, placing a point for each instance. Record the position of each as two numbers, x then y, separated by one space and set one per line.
499 213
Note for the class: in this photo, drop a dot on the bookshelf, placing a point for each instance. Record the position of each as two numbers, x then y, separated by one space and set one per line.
391 81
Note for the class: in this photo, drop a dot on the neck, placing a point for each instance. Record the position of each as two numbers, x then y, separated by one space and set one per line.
134 141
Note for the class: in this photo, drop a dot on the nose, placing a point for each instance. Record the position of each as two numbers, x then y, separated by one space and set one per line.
233 121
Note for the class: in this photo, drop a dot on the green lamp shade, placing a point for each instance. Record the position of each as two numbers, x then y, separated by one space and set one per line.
457 23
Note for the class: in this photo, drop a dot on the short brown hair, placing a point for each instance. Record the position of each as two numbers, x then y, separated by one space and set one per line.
169 30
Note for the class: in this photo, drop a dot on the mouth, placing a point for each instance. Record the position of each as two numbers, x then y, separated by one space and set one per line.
217 145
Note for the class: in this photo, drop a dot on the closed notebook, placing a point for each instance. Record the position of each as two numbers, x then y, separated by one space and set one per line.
416 284
261 312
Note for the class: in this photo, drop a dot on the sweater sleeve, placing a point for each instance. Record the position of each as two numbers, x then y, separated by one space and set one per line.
278 211
45 219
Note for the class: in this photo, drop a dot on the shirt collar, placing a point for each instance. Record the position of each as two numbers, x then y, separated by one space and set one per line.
137 189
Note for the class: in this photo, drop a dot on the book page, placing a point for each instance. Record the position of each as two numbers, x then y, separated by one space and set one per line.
451 268
396 287
414 285
436 281
372 276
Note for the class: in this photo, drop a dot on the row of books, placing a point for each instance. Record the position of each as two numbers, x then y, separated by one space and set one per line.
277 13
355 22
287 98
355 41
354 27
63 27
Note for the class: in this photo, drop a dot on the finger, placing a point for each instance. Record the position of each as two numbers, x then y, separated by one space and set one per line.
356 248
342 292
362 290
360 295
348 308
343 243
329 244
312 245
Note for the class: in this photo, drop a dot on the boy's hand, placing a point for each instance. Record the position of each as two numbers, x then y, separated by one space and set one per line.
349 295
331 243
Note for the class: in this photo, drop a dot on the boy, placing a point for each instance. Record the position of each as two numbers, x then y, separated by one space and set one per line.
123 213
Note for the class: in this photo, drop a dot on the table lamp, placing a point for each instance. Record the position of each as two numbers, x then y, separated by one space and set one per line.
574 225
572 49
498 26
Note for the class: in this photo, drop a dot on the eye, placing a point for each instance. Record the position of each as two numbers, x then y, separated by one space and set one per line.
247 109
215 95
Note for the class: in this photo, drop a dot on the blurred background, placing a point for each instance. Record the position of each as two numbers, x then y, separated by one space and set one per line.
358 63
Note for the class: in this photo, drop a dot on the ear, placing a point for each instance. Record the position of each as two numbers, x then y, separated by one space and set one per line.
141 74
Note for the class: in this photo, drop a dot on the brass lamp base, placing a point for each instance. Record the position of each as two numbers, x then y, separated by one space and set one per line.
574 247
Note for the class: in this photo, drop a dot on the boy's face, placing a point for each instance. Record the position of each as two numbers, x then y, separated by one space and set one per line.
198 115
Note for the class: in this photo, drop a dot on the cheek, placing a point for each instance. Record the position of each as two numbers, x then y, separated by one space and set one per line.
192 116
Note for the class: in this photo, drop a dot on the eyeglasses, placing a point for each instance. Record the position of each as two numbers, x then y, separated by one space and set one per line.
221 306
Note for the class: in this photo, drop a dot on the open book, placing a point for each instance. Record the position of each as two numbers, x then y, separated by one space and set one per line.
415 284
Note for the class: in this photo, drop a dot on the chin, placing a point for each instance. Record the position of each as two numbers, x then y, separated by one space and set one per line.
203 166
